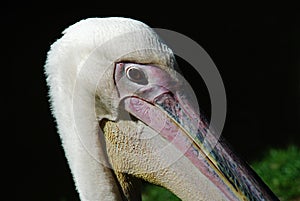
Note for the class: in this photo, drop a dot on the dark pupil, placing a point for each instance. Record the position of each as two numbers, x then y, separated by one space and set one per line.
137 76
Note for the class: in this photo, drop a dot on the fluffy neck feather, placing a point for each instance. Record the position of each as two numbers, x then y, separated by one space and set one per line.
93 180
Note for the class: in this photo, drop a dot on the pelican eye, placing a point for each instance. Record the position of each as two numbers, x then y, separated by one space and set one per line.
136 75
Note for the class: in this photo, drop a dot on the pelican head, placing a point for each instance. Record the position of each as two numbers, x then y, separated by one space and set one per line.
124 114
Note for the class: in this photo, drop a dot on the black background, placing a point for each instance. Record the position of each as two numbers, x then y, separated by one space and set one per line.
255 49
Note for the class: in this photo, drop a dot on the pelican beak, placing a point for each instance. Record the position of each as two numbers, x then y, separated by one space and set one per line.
184 127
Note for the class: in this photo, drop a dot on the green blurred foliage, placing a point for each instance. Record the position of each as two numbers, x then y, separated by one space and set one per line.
279 168
156 193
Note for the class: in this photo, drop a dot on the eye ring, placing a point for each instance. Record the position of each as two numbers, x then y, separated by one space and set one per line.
136 75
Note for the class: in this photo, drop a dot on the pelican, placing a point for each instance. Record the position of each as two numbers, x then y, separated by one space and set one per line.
123 117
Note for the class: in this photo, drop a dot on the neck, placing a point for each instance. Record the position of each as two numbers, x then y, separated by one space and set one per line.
80 137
